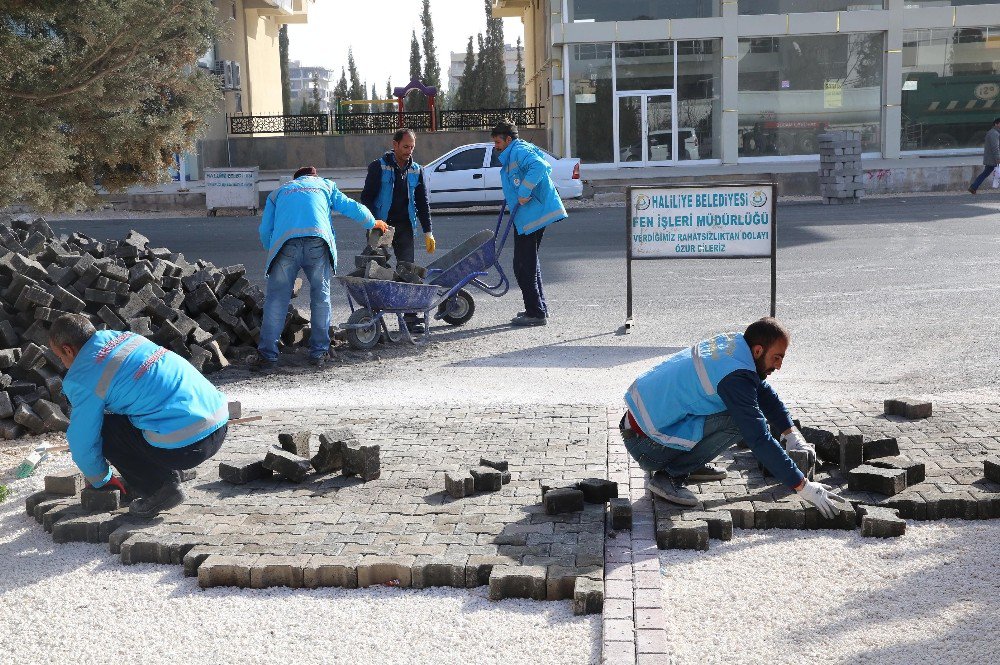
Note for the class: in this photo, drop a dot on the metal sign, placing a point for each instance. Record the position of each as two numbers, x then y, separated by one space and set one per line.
717 221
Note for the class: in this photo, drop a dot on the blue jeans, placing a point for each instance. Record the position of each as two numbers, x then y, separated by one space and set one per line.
720 434
312 256
987 170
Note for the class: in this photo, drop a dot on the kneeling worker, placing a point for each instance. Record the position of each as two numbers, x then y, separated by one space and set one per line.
137 406
700 401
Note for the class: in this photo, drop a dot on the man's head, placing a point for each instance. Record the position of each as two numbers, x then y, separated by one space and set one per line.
305 170
503 135
996 122
768 341
68 335
403 143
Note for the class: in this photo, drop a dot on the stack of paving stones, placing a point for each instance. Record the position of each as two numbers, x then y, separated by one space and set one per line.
490 476
841 178
205 314
891 464
339 450
404 530
373 261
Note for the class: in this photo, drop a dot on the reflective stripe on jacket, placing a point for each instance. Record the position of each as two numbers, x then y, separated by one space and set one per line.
384 200
525 173
162 394
670 401
302 208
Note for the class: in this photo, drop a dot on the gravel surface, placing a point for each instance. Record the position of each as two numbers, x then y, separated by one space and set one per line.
62 601
830 597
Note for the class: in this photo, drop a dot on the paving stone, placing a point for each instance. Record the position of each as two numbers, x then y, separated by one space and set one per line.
361 461
915 471
376 569
905 407
621 514
598 490
331 571
65 483
679 534
868 478
546 484
560 581
459 484
242 473
100 500
720 522
486 479
880 522
851 451
887 447
290 466
498 464
558 501
480 566
296 443
991 469
805 461
270 570
517 582
330 456
588 596
37 498
430 571
186 475
218 570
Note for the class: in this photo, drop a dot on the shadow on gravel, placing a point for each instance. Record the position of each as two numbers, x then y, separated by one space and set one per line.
569 356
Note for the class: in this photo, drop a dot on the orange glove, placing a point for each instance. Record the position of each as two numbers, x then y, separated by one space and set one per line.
381 226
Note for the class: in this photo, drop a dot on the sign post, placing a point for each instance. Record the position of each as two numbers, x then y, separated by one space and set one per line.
716 221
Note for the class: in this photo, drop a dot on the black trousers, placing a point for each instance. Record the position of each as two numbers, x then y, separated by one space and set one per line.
144 467
528 273
402 240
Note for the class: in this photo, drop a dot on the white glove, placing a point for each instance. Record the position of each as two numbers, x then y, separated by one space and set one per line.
795 441
820 496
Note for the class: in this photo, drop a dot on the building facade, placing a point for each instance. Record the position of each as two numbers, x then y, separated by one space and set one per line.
457 69
302 81
729 82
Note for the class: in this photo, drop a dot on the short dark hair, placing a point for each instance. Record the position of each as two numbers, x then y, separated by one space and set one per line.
996 121
400 133
72 330
305 170
766 332
505 128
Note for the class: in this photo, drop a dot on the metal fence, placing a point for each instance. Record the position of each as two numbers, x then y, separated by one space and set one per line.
383 122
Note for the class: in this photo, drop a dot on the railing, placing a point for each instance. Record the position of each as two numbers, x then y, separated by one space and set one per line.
383 122
279 124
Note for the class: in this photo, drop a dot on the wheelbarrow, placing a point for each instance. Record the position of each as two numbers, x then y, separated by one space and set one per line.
473 258
377 297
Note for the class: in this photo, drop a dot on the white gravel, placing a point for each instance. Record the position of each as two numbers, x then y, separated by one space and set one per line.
833 597
70 603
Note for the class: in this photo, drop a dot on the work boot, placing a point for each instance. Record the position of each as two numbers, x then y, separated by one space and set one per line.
668 489
525 320
258 363
169 496
414 325
707 473
320 361
971 191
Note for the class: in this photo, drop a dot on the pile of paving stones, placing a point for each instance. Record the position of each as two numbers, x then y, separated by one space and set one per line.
373 261
841 178
489 476
339 450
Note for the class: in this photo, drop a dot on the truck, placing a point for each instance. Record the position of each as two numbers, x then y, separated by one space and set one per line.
948 111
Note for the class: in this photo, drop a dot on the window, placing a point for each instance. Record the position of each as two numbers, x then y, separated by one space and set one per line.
951 87
802 6
639 10
644 65
699 79
802 86
466 160
944 3
591 103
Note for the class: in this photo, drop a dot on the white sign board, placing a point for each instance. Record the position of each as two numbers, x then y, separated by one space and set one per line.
727 221
231 188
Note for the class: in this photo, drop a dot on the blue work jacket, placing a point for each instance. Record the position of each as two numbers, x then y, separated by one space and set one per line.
302 208
525 173
162 394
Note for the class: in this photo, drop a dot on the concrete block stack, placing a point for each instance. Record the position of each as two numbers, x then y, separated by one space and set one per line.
841 178
569 496
339 450
490 476
205 314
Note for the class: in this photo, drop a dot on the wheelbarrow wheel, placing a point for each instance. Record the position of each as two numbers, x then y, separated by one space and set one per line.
458 309
366 338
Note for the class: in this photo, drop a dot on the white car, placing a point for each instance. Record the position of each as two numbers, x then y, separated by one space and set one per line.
470 176
661 145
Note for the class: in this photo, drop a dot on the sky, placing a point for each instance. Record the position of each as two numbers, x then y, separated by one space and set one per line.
379 32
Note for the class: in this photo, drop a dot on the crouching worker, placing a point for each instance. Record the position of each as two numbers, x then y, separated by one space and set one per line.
136 406
699 402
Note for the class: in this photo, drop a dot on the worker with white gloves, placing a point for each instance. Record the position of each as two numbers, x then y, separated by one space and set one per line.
701 401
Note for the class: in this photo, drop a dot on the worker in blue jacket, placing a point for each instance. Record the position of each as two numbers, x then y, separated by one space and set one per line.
403 207
136 406
297 233
700 401
528 189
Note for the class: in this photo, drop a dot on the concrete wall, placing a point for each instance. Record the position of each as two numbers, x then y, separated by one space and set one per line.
287 153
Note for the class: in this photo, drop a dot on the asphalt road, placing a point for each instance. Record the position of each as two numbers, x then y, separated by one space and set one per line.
892 295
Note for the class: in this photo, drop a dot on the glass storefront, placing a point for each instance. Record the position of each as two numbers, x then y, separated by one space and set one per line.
944 3
699 78
639 10
801 6
793 88
951 87
591 101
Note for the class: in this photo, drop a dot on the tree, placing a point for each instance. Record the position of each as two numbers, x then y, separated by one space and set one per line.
432 68
494 92
286 86
311 104
414 100
388 95
357 90
341 91
99 93
466 84
520 95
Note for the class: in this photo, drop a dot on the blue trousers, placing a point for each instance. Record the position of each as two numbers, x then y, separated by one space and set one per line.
987 170
312 256
720 434
528 273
